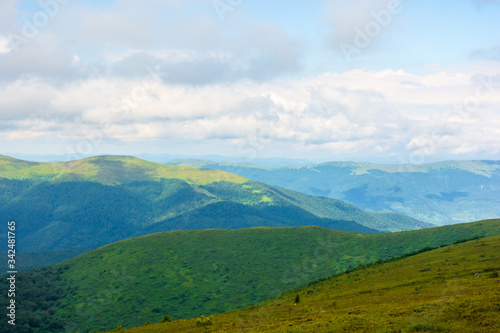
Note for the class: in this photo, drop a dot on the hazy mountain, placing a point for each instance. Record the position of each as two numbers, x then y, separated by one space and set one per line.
440 193
161 158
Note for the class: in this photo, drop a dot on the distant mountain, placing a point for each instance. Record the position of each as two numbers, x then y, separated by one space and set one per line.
442 290
185 274
161 158
439 193
96 201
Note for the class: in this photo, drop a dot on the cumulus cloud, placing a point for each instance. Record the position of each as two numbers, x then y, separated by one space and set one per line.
237 48
357 111
192 47
263 54
4 44
358 25
170 71
8 10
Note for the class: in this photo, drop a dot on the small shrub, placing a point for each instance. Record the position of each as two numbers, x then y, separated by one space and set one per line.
118 329
166 319
204 321
306 309
297 299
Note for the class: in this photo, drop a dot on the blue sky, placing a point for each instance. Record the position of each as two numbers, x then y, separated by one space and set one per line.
259 79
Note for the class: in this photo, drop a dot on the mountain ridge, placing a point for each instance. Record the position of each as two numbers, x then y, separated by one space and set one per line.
92 202
440 193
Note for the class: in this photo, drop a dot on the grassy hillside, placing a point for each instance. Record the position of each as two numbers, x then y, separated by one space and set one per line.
440 193
110 170
189 273
96 201
454 289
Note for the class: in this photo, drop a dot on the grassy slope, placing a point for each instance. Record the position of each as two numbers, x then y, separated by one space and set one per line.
110 170
436 291
189 273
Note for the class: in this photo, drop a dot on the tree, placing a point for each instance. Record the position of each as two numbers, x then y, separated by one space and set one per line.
166 319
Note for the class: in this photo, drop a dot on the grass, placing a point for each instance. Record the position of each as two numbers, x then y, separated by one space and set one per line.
186 274
111 170
451 289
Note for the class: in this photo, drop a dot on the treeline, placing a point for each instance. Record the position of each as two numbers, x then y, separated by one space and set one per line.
38 298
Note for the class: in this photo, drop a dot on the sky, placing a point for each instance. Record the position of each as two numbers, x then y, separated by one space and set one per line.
364 80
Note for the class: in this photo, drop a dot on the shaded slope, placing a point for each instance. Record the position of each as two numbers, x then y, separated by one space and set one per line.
189 273
225 215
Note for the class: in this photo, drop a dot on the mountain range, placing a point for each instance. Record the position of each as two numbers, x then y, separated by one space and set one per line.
125 242
440 193
92 202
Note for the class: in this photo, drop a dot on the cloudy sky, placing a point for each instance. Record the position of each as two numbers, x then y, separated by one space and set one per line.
365 80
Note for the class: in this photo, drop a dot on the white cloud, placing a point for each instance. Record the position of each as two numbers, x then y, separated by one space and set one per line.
193 46
231 82
358 24
357 111
8 10
4 45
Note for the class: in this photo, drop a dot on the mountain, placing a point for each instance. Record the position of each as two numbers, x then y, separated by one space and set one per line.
439 193
96 201
184 274
451 289
160 158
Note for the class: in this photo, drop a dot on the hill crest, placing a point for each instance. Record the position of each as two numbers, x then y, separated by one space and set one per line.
111 169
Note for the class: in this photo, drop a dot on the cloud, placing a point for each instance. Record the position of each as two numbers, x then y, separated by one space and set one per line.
8 10
43 56
360 23
4 45
171 72
357 111
489 53
192 47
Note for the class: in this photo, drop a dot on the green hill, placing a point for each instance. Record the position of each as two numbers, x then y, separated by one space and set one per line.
96 201
110 170
440 193
189 273
453 289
